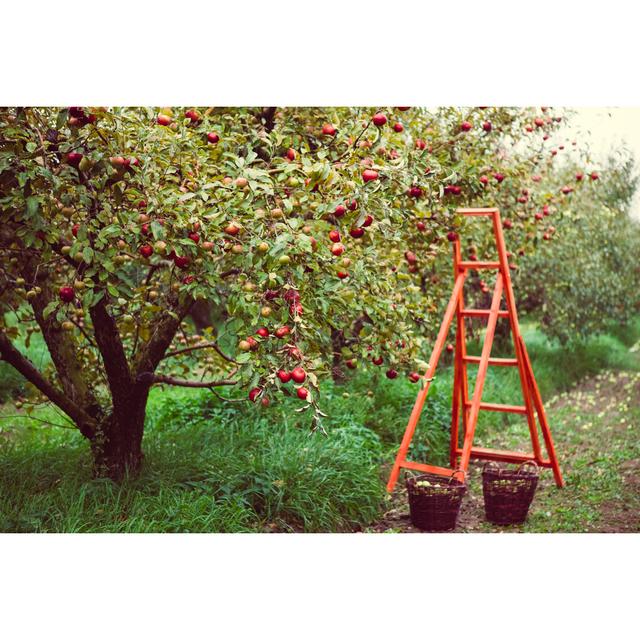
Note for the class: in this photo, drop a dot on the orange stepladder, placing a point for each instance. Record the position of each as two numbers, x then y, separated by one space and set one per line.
468 408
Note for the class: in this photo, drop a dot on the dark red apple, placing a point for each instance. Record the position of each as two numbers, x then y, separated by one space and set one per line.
466 126
340 210
67 294
379 119
213 137
334 235
369 174
302 393
146 250
254 393
328 130
283 375
356 232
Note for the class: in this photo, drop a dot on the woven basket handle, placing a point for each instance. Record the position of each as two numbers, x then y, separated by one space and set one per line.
526 462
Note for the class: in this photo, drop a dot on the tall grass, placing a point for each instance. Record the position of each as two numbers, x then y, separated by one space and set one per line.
215 466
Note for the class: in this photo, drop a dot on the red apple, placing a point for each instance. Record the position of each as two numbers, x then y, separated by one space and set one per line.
328 130
146 250
340 211
302 393
67 294
391 374
450 348
594 175
397 127
334 235
421 226
499 177
367 221
194 236
232 229
337 249
192 114
299 375
74 158
415 191
377 360
352 364
369 174
579 176
182 262
414 376
164 120
291 154
487 126
342 275
353 205
356 232
466 126
507 224
75 229
452 236
281 332
254 393
539 122
410 257
283 375
484 180
379 119
263 332
213 137
421 144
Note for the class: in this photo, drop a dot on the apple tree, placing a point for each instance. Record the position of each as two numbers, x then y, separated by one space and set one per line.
312 234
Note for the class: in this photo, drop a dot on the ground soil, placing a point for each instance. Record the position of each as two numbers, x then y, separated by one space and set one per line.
596 427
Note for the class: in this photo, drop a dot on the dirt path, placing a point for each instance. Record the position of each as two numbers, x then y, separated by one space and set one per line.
596 427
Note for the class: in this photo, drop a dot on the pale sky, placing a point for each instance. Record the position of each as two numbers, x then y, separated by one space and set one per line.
605 129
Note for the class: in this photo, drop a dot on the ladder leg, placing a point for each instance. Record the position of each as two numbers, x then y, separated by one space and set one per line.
460 388
544 425
455 404
422 395
517 338
482 374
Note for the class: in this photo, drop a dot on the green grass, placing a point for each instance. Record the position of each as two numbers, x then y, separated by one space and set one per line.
213 466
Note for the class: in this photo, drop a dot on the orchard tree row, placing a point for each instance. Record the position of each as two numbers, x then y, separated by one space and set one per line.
312 235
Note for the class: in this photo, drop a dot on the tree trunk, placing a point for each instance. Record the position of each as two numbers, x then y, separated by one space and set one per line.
117 446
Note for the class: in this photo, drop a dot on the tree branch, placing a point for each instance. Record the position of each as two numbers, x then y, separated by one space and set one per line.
20 363
206 345
177 382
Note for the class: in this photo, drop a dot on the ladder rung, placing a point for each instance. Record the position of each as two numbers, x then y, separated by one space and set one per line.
477 212
498 362
428 468
507 408
478 264
482 313
504 456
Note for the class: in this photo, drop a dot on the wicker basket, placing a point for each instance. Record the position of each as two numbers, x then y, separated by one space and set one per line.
434 501
508 492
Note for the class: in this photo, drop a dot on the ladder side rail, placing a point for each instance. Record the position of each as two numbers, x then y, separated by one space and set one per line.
482 373
422 394
544 424
460 396
517 337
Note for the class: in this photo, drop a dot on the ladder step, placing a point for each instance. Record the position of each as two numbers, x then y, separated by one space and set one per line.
507 408
478 264
482 313
478 212
504 456
428 468
498 362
